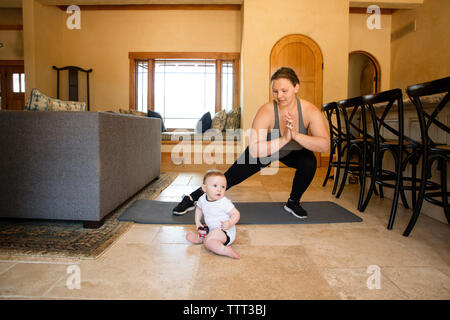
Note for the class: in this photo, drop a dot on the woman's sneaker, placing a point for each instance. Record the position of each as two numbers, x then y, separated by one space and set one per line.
184 206
295 209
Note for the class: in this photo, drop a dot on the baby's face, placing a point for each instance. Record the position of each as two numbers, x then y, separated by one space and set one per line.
214 187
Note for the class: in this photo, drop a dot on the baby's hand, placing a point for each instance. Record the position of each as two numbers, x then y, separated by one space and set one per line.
226 224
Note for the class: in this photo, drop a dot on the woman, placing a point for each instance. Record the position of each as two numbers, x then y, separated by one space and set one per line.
279 132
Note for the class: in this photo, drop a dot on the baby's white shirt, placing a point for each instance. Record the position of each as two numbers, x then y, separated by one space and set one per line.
215 211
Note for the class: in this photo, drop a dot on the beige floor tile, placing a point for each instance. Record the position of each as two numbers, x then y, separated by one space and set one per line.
140 233
276 273
30 279
4 266
420 282
136 271
356 247
273 235
173 234
352 284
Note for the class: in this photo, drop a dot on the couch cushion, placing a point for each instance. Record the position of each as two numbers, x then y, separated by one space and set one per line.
39 101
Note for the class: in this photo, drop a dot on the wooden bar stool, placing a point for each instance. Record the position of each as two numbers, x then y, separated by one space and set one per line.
432 149
337 139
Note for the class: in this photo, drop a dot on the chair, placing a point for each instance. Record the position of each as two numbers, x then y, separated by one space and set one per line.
73 82
357 141
432 150
337 139
403 149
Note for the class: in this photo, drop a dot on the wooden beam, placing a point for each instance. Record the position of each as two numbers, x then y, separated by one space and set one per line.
11 27
230 7
364 10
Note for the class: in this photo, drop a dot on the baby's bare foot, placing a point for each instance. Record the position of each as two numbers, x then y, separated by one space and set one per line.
231 253
193 238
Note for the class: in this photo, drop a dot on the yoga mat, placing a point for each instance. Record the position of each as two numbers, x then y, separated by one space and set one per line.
160 212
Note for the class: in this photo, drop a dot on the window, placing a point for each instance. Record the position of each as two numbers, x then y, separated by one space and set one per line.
18 82
183 86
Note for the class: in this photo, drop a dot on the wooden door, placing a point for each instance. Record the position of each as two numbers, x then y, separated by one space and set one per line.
304 56
12 86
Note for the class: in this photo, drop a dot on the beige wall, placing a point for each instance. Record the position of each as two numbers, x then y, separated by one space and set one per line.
374 41
42 39
12 40
106 38
267 21
422 55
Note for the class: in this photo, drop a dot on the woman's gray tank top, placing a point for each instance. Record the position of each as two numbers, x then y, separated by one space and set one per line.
275 132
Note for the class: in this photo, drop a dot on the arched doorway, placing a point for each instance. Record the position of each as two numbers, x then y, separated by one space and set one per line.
363 74
302 54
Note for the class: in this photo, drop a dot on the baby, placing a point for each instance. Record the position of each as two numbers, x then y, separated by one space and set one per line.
220 216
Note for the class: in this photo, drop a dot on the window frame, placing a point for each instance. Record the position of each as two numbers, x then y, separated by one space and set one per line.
150 57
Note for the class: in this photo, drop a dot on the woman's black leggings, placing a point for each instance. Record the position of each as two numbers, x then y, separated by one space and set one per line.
245 166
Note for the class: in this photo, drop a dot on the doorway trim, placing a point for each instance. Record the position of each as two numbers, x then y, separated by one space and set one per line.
375 63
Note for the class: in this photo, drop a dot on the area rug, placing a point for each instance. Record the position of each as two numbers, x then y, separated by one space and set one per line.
68 239
160 212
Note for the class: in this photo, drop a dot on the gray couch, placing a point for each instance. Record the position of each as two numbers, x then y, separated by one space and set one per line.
74 165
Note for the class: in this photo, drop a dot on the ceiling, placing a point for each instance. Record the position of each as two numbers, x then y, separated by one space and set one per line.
18 3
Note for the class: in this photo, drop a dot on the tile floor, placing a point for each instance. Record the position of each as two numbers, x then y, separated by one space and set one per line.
335 261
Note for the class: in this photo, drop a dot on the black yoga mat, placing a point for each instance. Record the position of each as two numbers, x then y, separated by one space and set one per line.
160 212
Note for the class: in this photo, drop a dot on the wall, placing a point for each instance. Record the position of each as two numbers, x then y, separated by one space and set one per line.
267 21
106 38
374 41
42 46
12 40
422 55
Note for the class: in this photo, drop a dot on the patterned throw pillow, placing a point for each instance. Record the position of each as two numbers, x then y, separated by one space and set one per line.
218 122
38 101
233 119
62 105
41 102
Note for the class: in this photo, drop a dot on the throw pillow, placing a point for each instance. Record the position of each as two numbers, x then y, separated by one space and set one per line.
138 113
204 123
123 111
38 101
218 122
62 105
41 102
154 114
233 119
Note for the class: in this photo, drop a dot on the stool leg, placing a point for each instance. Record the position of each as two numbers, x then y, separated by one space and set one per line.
338 168
372 188
444 189
327 176
344 178
421 196
362 179
398 184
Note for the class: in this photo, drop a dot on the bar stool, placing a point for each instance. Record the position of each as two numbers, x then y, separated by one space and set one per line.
404 150
360 143
337 139
432 150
